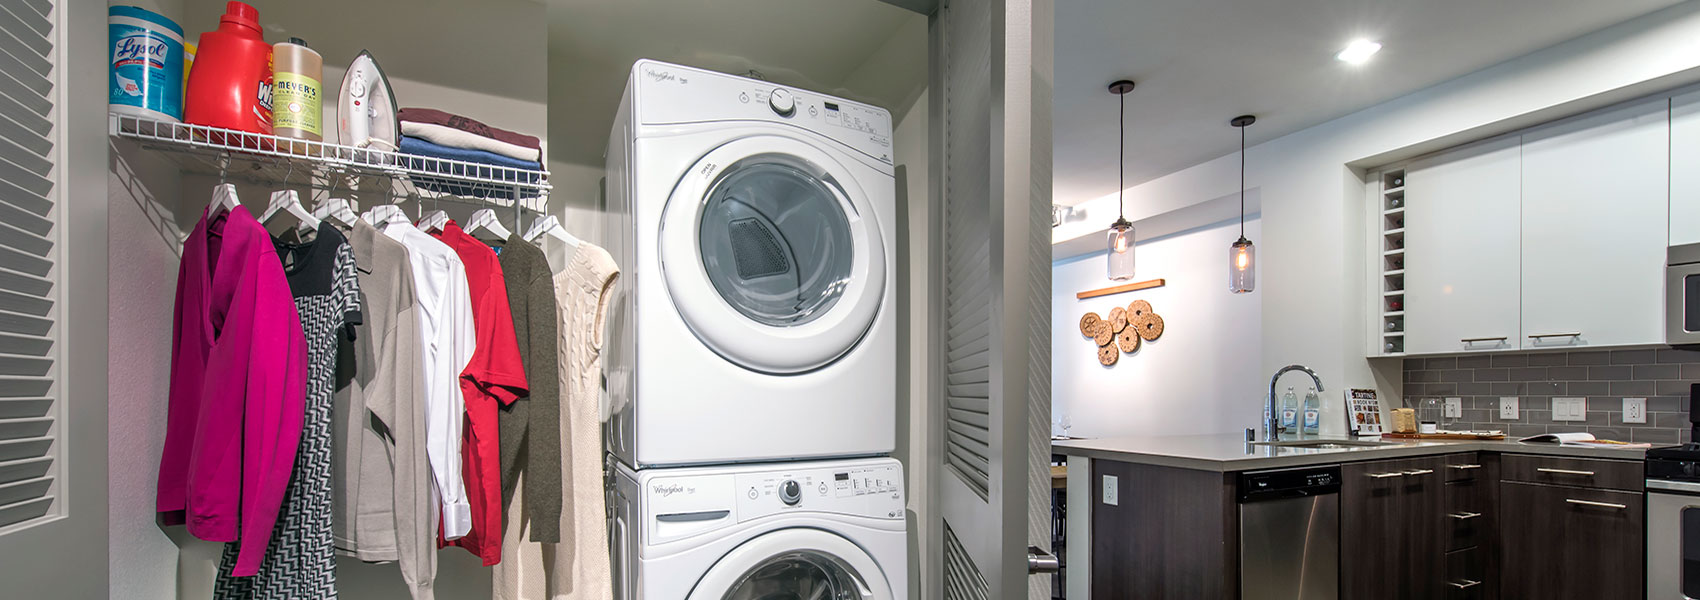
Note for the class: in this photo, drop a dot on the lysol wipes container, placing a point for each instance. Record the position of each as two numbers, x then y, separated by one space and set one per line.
147 64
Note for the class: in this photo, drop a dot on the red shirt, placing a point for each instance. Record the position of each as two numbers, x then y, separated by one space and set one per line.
495 376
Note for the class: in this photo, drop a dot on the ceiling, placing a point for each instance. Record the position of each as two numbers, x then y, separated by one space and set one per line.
866 50
1199 63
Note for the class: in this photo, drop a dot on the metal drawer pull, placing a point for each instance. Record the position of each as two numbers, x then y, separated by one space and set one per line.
1485 339
1464 516
1464 584
1463 467
1565 472
1540 336
1599 504
1386 475
1419 471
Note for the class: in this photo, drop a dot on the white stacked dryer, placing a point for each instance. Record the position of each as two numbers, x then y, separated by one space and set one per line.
753 224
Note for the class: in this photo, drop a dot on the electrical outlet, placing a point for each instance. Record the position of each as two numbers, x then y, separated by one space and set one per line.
1569 409
1454 408
1635 410
1111 495
1508 407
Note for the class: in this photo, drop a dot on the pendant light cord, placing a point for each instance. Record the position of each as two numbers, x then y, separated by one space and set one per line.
1242 182
1121 159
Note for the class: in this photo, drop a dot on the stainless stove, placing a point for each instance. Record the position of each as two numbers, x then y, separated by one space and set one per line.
1673 515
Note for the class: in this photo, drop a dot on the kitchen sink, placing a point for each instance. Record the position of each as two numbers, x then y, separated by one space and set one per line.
1326 444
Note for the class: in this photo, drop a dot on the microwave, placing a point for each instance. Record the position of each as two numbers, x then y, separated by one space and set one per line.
1682 295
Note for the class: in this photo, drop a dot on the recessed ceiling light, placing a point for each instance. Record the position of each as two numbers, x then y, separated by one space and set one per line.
1358 52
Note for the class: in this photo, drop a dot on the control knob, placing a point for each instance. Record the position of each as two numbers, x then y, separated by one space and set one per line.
790 493
782 103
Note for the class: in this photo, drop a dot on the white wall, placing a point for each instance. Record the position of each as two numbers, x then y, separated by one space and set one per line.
1312 247
910 151
1187 381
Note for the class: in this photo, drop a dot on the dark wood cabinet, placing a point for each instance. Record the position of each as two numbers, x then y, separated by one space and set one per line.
1393 529
1571 542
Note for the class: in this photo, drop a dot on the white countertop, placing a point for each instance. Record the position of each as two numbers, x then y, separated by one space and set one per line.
1229 452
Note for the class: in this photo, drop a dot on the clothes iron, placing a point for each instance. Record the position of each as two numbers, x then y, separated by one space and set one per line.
366 107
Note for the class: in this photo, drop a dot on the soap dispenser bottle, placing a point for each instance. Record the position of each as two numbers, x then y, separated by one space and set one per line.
1313 412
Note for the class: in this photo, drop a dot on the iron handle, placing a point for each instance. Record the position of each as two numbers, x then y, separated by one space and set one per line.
1419 472
1040 561
1485 339
1540 336
1386 475
1464 516
1463 467
1599 504
1565 472
1464 584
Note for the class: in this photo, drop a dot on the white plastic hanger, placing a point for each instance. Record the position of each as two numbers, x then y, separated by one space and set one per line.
550 226
340 210
224 199
384 215
433 221
485 219
289 201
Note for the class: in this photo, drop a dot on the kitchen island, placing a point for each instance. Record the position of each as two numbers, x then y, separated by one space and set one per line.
1159 516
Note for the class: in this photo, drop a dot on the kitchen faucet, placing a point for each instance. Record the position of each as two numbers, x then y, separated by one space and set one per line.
1272 423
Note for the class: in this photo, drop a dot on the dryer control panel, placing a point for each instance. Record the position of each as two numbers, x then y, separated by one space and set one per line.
667 93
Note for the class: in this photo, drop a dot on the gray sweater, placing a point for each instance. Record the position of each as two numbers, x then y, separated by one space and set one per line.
531 426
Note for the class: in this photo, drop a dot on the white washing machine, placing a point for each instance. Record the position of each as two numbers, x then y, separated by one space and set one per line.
753 225
829 530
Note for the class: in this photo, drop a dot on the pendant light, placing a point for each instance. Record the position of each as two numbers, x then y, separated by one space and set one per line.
1242 256
1121 232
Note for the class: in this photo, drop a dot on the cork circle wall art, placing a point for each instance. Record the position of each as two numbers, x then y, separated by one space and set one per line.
1123 331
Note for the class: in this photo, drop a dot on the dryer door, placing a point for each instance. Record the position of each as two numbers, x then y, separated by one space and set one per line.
772 254
794 563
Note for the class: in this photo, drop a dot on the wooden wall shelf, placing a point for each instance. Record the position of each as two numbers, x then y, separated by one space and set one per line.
1117 289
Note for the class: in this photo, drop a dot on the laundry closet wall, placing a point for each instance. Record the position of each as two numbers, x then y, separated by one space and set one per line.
152 207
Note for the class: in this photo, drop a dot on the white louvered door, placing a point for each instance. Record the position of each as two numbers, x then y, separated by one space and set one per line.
994 275
29 256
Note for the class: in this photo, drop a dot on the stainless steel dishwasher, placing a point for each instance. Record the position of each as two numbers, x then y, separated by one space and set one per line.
1290 534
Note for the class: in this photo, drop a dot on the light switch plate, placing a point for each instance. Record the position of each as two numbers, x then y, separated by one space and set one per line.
1508 407
1454 408
1635 410
1569 409
1111 495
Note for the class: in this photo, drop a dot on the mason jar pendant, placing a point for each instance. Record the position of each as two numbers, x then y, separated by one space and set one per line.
1121 250
1242 267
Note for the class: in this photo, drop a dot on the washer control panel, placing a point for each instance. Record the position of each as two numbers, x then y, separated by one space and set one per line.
868 489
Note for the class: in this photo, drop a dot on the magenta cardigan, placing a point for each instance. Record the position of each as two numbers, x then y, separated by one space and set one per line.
238 388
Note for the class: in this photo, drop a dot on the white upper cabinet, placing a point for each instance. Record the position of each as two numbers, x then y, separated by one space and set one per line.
1595 202
1462 249
1685 169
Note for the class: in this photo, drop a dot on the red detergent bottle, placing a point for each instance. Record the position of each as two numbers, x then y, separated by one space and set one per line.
230 84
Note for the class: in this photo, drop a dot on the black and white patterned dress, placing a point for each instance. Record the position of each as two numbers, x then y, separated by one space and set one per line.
300 559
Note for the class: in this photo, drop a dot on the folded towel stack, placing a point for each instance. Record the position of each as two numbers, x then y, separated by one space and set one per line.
433 134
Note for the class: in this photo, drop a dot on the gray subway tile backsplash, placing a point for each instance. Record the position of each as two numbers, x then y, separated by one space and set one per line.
1604 377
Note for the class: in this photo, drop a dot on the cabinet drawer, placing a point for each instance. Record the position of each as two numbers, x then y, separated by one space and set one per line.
1466 514
1463 467
1464 579
1580 472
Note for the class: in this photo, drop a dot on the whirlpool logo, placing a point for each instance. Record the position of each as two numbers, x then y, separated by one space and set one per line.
668 490
664 76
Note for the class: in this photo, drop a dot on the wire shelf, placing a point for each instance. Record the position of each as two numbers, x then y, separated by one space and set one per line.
270 159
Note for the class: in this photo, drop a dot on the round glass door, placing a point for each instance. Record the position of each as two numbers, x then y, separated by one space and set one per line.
775 241
794 564
772 255
799 576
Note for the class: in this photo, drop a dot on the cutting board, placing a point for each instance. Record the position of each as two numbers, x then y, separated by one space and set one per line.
1445 436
